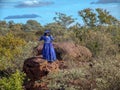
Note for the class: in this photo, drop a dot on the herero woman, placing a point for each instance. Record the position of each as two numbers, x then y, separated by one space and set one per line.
48 51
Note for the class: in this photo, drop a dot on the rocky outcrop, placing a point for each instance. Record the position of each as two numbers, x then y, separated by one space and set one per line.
68 50
36 68
36 85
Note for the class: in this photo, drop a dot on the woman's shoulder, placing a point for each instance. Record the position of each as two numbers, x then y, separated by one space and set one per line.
44 37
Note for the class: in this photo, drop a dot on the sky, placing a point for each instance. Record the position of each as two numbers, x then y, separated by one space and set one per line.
44 10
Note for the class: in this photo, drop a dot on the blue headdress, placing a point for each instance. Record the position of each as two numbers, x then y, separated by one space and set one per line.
46 31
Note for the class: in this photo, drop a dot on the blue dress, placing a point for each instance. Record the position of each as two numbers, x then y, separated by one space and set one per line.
48 51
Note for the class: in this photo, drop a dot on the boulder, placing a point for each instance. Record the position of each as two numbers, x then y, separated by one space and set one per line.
36 68
68 50
36 85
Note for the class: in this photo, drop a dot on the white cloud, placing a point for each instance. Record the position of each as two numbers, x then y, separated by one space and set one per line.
105 1
31 2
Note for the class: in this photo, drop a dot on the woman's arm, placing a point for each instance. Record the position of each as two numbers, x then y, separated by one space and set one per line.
51 37
41 38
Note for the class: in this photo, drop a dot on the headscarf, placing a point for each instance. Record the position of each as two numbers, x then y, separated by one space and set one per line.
46 31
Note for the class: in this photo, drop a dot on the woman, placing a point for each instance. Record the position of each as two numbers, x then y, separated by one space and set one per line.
48 51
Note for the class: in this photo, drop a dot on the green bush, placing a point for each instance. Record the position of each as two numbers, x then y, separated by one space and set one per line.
72 79
14 82
103 75
18 61
13 52
10 47
99 43
27 51
115 32
106 72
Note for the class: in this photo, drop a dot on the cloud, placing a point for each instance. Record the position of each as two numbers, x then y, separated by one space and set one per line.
7 3
22 16
33 3
105 1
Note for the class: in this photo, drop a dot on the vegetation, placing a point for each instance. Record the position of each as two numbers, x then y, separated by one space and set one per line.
14 82
10 47
100 33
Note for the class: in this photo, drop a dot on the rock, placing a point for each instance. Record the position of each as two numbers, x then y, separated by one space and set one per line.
68 50
36 68
36 85
72 50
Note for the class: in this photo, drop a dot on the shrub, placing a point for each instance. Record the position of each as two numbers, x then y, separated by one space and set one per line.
10 46
106 72
73 79
27 36
27 51
103 75
14 82
18 61
99 43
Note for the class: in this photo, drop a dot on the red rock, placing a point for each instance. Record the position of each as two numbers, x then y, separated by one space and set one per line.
68 50
36 68
34 85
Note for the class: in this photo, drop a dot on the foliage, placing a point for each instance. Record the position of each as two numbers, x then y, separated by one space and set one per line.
99 42
63 19
105 18
32 25
10 47
73 79
106 72
114 30
27 51
97 17
3 27
89 17
27 36
16 27
14 82
99 76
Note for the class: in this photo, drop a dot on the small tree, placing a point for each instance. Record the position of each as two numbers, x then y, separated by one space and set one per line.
105 18
32 25
88 16
63 19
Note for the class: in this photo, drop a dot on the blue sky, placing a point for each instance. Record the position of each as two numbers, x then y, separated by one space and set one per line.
44 10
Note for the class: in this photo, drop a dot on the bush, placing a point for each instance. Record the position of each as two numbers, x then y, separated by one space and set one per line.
106 72
10 47
103 75
98 42
14 82
18 61
74 79
27 51
27 36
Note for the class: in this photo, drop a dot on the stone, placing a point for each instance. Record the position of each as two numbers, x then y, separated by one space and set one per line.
36 68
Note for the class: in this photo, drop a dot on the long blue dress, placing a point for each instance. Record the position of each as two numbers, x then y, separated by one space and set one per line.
48 51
